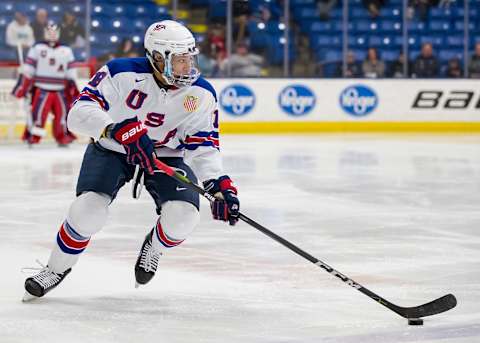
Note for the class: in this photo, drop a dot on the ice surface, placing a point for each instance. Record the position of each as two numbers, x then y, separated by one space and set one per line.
398 214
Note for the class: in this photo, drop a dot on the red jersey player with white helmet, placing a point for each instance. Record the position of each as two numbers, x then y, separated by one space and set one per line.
48 75
138 109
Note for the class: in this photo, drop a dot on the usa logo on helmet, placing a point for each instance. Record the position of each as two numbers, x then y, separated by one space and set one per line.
159 27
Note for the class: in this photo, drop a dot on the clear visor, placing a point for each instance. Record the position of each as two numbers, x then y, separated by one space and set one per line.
52 34
179 69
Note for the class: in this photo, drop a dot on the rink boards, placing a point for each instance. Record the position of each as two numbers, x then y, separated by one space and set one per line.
321 105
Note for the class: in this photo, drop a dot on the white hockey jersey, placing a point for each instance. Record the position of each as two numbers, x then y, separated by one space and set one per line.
49 67
182 122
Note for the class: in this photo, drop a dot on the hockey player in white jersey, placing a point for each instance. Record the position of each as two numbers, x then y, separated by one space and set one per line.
50 79
138 109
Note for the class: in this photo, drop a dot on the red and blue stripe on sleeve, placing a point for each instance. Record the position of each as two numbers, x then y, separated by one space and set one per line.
201 138
89 94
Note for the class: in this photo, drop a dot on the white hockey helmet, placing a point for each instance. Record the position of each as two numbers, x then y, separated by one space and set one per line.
52 32
167 38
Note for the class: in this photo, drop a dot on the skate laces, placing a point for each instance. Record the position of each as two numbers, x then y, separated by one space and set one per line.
149 258
33 270
45 277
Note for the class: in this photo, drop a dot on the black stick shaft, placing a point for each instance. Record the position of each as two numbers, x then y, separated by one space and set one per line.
437 306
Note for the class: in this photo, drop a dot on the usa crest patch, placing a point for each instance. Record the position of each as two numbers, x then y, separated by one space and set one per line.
190 103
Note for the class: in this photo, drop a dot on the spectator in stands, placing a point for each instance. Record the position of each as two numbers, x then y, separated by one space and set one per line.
242 63
71 32
354 69
206 62
422 7
126 48
216 38
241 13
19 33
426 64
374 6
397 70
372 67
454 68
324 8
474 63
39 24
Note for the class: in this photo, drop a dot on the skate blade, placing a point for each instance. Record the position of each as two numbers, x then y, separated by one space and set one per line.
137 285
27 297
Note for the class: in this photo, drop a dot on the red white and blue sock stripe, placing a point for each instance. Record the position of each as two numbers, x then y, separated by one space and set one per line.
166 241
69 241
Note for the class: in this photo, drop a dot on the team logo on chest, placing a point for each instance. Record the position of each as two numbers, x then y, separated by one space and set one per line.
190 103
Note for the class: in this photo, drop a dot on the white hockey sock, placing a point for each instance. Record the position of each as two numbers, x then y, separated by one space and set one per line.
67 249
177 221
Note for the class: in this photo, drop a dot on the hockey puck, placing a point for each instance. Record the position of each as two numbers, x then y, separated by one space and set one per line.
415 321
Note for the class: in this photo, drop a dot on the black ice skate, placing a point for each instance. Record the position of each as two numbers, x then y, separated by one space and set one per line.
42 283
147 262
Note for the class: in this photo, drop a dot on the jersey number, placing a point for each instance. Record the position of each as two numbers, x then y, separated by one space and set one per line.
97 78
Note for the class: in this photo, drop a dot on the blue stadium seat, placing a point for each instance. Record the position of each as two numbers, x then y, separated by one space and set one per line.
455 40
413 54
296 3
436 41
391 26
80 54
306 13
55 9
360 55
199 3
4 21
357 41
414 42
7 8
439 25
393 13
326 41
440 13
141 24
459 25
321 26
217 10
336 13
389 55
445 55
77 8
330 69
415 26
8 55
333 56
364 25
459 12
379 41
359 13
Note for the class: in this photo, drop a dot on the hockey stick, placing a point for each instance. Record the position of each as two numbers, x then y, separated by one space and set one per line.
436 306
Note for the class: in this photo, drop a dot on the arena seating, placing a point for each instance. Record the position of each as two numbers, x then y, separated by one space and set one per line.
110 22
114 20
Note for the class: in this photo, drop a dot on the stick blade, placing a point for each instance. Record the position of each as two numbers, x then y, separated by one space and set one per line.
442 304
